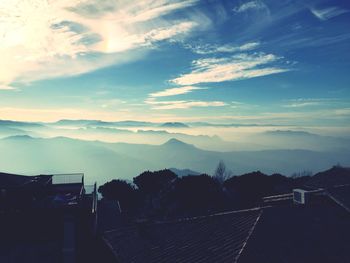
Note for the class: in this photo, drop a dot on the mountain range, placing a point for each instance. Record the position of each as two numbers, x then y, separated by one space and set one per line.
101 161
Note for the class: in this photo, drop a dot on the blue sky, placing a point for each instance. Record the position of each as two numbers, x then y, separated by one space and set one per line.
266 62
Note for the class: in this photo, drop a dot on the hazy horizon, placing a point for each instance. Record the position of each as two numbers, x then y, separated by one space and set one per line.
108 150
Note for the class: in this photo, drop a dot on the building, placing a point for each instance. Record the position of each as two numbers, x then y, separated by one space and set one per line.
46 218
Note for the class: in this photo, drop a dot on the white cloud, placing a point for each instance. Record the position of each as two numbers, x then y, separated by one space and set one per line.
241 66
251 5
174 91
328 13
182 104
42 39
212 49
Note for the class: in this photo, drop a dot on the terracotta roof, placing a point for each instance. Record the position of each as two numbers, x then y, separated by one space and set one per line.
215 238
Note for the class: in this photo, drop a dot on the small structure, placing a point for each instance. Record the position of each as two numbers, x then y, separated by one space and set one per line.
303 197
300 196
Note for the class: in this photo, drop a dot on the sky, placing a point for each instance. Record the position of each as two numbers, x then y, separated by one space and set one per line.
251 62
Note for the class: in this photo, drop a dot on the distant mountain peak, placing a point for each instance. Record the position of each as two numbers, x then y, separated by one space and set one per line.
174 125
177 143
290 133
18 137
174 141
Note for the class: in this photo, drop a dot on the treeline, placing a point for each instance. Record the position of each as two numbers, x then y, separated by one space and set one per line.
162 194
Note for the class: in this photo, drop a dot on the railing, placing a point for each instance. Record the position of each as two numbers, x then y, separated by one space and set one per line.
94 200
92 191
94 209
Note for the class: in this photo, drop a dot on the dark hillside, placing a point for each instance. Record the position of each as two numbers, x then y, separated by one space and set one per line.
337 175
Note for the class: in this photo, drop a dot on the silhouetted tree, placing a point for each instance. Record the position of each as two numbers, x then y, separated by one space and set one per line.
121 191
248 189
198 194
152 187
301 174
153 182
221 174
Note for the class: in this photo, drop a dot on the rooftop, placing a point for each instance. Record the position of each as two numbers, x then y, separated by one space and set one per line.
319 232
277 232
216 238
41 191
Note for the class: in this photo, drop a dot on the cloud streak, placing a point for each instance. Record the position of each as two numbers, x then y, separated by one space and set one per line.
238 67
182 104
309 102
175 91
6 87
328 13
251 5
213 49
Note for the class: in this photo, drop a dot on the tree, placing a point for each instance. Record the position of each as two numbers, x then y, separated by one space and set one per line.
302 174
198 194
221 174
121 191
153 182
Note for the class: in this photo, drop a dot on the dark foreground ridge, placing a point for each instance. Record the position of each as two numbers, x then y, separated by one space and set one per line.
55 218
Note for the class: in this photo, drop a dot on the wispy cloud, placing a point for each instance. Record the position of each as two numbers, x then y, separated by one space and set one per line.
251 5
156 104
212 49
345 112
241 66
174 91
328 13
290 118
307 102
182 104
7 87
147 10
38 37
242 105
